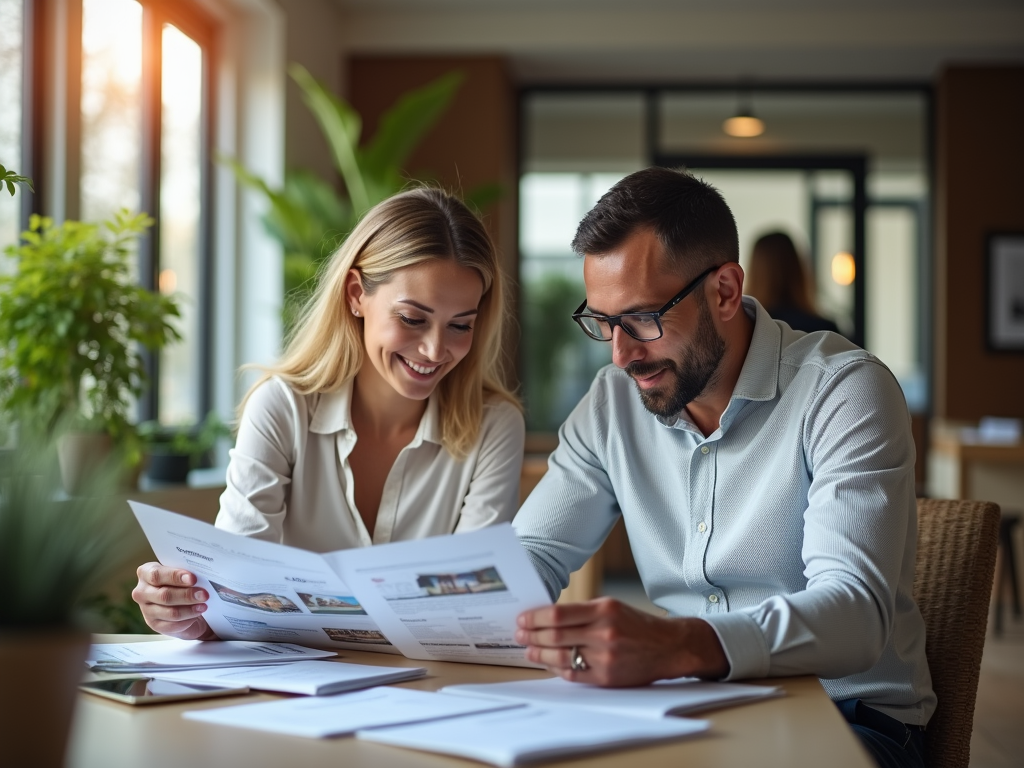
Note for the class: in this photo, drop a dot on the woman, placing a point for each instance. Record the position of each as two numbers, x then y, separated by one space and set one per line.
385 419
778 280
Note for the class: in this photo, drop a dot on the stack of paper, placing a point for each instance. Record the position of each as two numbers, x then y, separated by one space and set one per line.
526 734
665 697
312 678
169 655
319 718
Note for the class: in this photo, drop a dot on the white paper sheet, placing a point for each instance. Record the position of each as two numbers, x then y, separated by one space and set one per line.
194 654
324 716
665 697
312 678
525 735
448 598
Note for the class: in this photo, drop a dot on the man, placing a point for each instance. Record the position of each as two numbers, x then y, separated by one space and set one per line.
766 479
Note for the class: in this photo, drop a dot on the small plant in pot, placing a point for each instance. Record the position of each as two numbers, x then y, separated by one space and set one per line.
172 452
74 325
54 551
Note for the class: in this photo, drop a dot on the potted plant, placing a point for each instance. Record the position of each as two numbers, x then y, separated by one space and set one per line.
54 551
172 452
74 325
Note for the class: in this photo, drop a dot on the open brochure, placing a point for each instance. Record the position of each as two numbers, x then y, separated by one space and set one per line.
531 733
665 697
445 598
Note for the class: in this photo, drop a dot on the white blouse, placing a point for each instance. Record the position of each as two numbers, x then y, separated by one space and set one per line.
290 481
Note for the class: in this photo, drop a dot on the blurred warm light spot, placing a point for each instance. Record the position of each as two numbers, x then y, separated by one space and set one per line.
168 281
843 268
743 126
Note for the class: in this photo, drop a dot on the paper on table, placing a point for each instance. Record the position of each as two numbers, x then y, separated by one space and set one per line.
533 733
313 678
194 654
665 697
260 590
448 598
318 718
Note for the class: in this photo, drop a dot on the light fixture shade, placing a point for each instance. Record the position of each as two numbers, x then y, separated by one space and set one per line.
743 126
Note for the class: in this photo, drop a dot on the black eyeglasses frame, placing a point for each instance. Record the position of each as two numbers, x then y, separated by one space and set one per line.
616 320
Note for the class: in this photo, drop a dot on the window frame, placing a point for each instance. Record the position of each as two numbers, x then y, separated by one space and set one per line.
199 27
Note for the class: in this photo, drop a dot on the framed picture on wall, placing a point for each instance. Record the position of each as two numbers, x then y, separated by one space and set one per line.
1005 304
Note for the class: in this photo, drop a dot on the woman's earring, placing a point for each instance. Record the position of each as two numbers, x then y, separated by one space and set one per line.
355 312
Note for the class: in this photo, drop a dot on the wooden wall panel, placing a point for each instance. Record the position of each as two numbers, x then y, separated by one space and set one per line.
980 190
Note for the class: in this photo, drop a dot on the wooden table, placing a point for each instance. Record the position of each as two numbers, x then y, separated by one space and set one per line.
802 728
959 469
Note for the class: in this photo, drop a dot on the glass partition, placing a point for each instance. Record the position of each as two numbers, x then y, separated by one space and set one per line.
819 150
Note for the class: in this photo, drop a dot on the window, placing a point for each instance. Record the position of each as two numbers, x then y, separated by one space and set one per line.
144 146
117 102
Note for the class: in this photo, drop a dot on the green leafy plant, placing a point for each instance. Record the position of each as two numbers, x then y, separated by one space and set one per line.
193 441
548 332
55 551
308 216
74 324
10 178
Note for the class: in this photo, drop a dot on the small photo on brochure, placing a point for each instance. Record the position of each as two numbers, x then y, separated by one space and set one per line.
261 601
341 604
469 583
364 636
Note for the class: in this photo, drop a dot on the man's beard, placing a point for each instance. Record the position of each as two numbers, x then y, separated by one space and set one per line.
691 376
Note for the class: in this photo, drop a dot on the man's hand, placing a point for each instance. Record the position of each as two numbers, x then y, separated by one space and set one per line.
621 645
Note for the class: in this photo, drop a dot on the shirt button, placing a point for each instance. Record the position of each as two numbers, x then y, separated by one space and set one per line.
704 449
712 598
702 527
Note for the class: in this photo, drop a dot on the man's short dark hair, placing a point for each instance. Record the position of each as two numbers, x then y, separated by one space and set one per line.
689 216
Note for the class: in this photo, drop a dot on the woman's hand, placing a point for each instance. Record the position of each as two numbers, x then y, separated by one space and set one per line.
171 603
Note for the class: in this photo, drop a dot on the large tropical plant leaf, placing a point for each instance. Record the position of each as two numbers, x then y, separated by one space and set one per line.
342 127
402 127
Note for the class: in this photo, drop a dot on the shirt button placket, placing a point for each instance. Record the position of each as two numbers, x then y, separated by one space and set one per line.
713 604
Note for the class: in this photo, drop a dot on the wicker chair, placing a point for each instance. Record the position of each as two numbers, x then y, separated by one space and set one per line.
956 556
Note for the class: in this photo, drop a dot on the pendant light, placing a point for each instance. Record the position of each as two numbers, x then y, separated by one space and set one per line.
744 125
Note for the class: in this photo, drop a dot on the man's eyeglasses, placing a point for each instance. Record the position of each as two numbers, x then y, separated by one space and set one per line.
642 326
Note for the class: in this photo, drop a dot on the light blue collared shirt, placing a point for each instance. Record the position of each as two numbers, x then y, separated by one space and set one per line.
792 529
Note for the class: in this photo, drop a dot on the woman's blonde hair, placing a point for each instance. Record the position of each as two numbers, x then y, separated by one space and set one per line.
325 348
777 276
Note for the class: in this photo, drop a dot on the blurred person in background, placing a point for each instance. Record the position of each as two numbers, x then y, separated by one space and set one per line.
778 279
